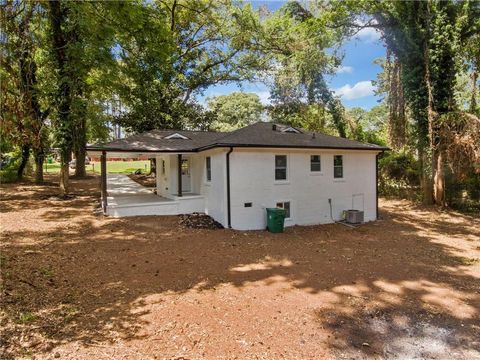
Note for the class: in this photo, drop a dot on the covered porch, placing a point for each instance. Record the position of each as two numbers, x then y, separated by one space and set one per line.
121 196
180 173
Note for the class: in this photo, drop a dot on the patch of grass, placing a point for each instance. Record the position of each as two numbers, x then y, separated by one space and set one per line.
26 317
69 311
47 272
468 261
113 167
126 167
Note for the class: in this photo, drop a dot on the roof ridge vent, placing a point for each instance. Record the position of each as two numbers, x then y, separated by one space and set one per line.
176 136
291 129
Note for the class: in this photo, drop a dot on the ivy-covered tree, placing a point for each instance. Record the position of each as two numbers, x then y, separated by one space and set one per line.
22 116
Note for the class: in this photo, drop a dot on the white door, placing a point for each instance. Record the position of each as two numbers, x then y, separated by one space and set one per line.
186 176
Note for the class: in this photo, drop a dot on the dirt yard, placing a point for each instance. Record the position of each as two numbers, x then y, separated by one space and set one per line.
76 285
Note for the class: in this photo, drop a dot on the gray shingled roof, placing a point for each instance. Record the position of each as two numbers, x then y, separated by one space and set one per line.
257 135
154 141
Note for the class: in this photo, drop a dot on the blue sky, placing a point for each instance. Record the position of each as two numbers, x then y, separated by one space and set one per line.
353 80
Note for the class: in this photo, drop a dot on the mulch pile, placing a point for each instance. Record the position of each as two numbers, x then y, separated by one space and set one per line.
199 221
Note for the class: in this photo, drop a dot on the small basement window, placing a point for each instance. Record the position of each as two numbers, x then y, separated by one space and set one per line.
315 163
338 166
286 206
176 136
280 167
208 166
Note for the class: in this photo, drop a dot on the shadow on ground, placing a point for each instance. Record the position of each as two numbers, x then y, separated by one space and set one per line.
406 286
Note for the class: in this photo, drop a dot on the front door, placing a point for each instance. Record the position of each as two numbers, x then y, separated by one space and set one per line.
186 176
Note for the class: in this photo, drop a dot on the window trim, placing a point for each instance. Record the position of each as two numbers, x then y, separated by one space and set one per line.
336 166
316 172
290 209
281 181
208 169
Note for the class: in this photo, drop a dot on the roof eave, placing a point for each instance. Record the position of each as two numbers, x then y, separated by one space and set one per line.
208 147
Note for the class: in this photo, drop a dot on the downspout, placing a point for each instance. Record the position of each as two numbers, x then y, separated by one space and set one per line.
376 182
229 214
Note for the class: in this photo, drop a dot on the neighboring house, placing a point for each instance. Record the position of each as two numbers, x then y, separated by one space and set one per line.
234 177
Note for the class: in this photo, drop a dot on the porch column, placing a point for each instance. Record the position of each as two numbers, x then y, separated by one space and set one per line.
103 179
179 174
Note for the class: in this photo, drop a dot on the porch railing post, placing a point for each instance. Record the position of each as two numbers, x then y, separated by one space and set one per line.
103 180
179 174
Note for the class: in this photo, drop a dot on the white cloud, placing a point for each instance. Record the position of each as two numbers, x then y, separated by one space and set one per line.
344 70
368 34
359 90
264 96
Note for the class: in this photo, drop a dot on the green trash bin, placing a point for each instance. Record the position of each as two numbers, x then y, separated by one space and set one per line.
275 219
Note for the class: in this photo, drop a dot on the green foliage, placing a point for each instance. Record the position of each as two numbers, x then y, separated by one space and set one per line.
26 317
368 126
179 50
299 44
399 175
8 173
235 110
463 193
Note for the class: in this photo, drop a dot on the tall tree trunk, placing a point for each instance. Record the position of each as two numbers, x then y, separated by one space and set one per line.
473 98
439 180
64 124
153 166
28 79
25 156
80 155
39 157
64 173
80 135
432 128
426 182
79 147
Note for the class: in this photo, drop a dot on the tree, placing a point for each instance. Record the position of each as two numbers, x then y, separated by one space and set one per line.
62 37
23 119
176 49
235 110
424 37
295 40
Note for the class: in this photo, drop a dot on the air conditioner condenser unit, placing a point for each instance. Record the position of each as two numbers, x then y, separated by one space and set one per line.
353 216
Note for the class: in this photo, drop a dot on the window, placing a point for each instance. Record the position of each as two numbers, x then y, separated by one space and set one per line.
280 167
338 166
286 206
163 167
315 164
208 164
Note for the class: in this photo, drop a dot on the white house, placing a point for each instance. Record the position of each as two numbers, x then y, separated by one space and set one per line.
235 176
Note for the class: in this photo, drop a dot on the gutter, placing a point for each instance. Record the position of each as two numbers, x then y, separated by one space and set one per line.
217 145
229 213
212 146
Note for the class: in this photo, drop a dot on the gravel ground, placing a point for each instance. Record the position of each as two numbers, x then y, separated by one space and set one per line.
77 285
